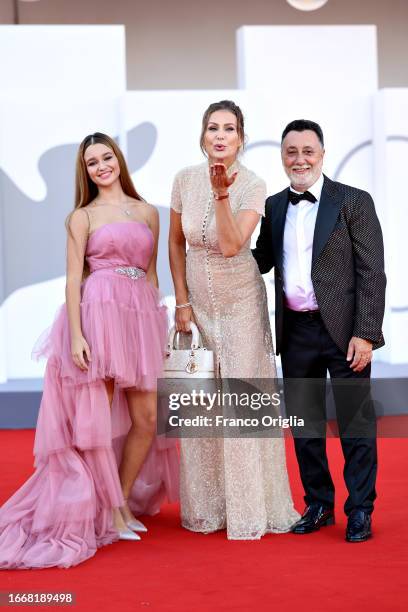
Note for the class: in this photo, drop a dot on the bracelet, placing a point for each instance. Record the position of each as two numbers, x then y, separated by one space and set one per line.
186 305
218 197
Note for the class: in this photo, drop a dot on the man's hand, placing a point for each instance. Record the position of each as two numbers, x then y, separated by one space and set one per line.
360 353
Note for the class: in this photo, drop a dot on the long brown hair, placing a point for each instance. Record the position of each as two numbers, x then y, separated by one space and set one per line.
85 188
227 105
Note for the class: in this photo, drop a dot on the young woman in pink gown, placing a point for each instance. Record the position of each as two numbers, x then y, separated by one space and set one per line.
98 410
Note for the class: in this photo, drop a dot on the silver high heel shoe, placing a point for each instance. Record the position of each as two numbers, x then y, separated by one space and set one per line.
133 523
127 534
136 525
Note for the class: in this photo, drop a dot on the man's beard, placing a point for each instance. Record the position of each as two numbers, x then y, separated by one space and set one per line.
304 180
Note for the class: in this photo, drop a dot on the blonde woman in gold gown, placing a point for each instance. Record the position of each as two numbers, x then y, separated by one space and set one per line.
240 485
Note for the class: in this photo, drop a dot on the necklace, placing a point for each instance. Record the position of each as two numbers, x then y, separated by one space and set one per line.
126 211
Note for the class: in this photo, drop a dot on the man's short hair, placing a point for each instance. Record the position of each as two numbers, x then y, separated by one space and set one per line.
300 125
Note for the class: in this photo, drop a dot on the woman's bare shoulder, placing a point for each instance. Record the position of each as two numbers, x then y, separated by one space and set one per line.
148 212
152 212
78 219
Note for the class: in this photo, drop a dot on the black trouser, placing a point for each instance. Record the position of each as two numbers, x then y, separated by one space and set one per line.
308 353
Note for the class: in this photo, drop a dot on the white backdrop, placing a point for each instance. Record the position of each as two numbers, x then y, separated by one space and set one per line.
51 112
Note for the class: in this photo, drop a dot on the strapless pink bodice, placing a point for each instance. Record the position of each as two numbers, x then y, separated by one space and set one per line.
120 244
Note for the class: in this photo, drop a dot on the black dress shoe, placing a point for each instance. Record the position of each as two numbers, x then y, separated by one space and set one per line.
358 526
314 517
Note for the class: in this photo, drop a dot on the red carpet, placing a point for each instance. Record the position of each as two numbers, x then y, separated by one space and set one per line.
172 569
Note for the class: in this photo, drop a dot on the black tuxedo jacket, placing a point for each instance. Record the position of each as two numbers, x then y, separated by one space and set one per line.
347 262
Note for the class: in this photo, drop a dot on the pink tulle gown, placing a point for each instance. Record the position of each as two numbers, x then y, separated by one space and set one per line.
63 513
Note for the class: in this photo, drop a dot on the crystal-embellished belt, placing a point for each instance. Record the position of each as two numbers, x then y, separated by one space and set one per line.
131 272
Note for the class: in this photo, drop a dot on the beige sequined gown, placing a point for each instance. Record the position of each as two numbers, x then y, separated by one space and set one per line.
238 484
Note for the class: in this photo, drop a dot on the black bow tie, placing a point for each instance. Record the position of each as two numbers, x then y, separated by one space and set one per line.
295 198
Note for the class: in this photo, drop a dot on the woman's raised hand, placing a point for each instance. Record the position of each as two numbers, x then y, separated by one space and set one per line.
220 181
79 351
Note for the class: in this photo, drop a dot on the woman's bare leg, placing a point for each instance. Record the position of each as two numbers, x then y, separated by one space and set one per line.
110 388
118 520
142 411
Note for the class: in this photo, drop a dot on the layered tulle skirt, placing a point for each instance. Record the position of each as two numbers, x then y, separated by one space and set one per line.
63 513
125 327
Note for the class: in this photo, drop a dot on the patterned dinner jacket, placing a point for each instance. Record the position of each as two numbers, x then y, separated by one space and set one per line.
347 262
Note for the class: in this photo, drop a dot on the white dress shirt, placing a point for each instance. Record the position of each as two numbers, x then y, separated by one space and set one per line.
297 251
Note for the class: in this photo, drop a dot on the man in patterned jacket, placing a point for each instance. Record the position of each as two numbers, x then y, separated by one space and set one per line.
324 241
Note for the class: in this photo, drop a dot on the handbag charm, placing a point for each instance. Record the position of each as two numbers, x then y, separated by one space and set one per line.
192 367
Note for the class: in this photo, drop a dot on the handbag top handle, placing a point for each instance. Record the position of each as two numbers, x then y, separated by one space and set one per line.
195 337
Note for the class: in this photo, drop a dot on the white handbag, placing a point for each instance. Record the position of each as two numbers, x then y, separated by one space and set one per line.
195 362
